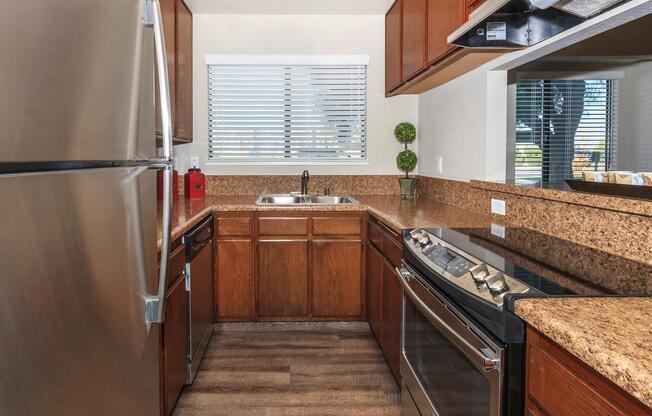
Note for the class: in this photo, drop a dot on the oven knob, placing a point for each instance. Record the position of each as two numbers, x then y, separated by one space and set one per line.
424 240
479 272
497 283
415 234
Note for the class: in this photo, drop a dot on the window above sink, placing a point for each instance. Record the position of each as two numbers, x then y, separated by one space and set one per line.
287 109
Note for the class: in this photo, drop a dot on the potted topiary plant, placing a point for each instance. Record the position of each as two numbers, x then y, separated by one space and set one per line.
406 161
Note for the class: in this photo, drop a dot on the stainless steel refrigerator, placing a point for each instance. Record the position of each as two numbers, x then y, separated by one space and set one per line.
81 301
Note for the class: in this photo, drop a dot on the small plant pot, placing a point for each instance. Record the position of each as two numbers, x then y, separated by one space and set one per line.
408 188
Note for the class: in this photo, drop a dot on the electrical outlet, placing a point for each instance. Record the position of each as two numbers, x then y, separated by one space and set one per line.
440 164
498 206
498 230
194 161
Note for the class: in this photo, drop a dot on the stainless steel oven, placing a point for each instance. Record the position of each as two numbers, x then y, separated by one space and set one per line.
449 366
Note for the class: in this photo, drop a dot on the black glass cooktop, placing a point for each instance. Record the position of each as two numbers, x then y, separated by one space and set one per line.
550 265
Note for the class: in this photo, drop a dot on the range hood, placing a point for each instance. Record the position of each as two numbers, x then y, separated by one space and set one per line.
515 24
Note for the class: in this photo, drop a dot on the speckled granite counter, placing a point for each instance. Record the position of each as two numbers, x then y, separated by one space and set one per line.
395 212
611 335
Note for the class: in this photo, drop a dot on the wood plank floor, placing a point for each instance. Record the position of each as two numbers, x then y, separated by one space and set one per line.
292 369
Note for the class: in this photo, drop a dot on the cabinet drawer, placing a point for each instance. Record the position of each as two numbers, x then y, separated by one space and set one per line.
392 250
337 226
283 226
176 264
234 227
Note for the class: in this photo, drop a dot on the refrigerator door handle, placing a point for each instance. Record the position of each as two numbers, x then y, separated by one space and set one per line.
155 305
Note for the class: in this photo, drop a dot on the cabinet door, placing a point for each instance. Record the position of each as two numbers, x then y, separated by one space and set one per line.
374 292
183 58
175 344
337 278
414 37
234 283
392 314
393 28
444 17
560 384
169 32
282 278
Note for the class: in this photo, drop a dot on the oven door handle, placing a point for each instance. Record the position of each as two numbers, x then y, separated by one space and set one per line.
481 361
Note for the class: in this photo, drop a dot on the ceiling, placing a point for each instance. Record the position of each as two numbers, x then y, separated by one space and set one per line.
326 7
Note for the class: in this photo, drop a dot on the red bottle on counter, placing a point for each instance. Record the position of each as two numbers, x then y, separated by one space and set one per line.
195 184
159 184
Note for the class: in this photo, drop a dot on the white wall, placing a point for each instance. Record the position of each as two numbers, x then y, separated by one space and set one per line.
464 122
300 35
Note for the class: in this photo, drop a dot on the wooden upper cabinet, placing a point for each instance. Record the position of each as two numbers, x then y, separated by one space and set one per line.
169 32
177 30
393 29
444 17
337 278
415 19
183 60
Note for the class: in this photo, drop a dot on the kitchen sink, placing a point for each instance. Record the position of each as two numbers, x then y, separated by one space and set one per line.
289 199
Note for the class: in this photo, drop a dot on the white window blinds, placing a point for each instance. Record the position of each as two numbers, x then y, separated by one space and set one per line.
287 112
564 127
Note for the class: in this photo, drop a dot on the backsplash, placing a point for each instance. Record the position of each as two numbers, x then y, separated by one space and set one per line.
615 229
277 184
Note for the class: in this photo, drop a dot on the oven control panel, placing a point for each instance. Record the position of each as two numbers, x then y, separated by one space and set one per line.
463 269
448 260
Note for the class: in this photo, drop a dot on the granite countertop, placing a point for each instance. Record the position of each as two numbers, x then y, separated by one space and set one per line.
396 213
611 335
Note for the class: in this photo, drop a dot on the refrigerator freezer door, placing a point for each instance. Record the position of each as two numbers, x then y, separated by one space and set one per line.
77 81
77 258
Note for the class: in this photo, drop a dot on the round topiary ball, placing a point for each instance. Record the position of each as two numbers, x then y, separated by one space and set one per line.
405 133
406 161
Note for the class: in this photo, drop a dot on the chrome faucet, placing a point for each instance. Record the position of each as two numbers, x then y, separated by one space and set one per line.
305 177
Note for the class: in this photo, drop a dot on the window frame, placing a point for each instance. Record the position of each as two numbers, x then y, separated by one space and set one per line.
290 60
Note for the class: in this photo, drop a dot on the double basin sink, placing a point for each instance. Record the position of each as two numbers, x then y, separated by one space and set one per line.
291 199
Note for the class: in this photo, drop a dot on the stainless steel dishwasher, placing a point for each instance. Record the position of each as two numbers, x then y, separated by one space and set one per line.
199 290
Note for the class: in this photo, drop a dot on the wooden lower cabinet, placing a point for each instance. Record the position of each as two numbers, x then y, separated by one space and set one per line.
384 296
234 280
336 278
175 342
392 317
374 290
282 278
289 266
558 384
